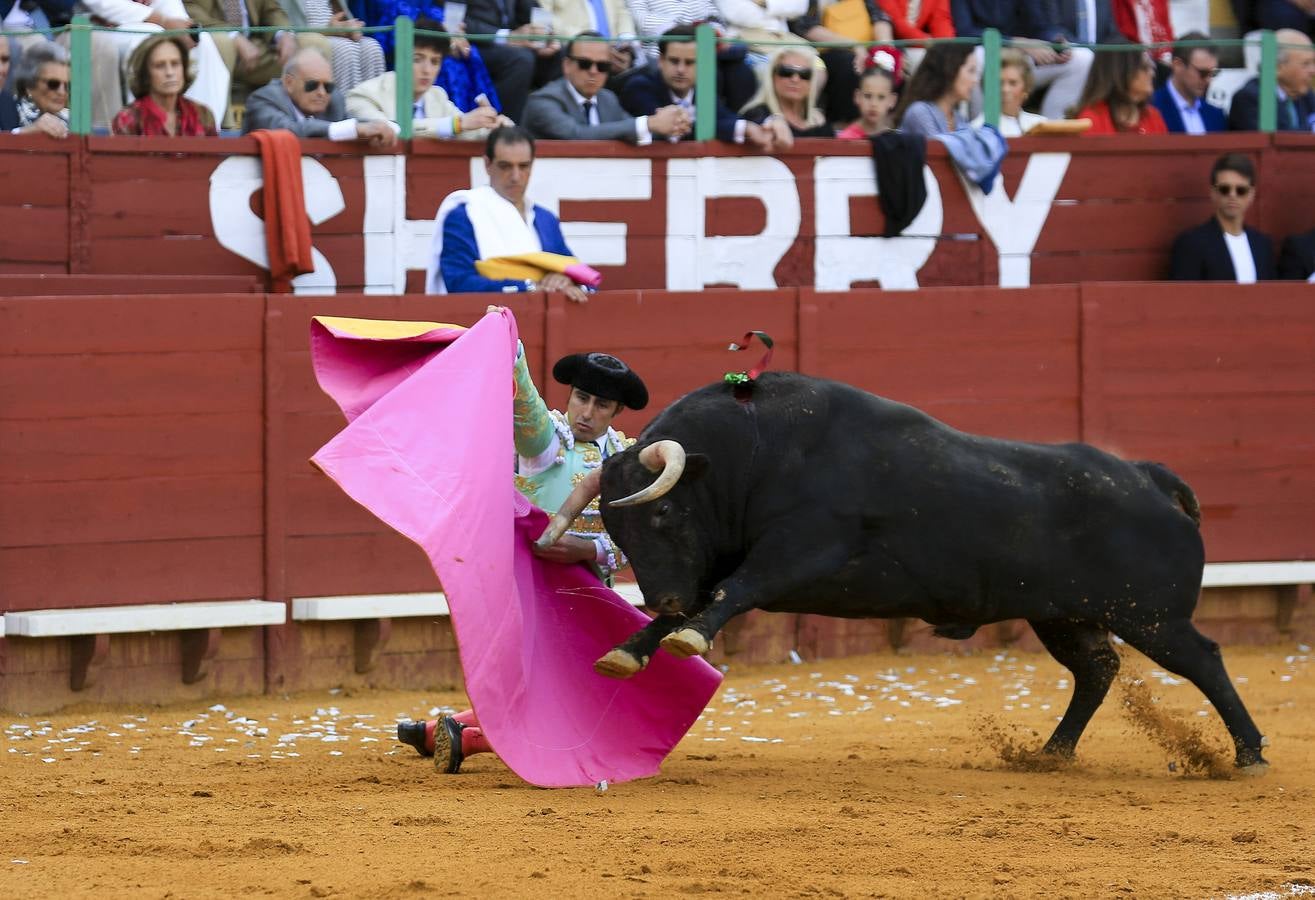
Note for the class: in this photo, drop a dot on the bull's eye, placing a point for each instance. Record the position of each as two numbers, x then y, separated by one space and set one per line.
664 508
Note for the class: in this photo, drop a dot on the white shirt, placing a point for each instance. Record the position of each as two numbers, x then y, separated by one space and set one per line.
1239 250
1190 112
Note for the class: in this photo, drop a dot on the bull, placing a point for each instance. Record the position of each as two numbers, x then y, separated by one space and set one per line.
810 496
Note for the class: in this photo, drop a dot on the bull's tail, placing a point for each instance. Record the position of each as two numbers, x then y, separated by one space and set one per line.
1175 488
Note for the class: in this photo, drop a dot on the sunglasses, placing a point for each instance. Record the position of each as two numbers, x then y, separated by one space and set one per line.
54 84
1228 190
1205 73
604 67
794 72
312 85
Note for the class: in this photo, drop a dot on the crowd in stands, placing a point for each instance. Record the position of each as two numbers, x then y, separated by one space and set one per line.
577 69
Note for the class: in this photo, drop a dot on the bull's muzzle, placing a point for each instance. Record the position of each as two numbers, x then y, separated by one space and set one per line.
669 604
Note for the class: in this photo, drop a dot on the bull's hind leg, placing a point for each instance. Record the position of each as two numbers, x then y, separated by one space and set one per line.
1084 649
633 655
1183 650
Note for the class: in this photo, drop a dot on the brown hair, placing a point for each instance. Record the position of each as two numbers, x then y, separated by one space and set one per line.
934 78
1111 74
139 64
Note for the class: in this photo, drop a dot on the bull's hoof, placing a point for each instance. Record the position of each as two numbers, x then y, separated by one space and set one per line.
684 643
618 663
1254 770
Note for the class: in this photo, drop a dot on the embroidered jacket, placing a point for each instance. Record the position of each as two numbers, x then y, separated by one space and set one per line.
550 463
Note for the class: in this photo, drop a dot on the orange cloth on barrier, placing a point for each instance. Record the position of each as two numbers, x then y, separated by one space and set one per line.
287 228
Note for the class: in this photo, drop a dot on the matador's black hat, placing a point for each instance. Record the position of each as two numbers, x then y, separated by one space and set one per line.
603 376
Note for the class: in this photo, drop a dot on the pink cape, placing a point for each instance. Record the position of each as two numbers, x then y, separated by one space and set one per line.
428 449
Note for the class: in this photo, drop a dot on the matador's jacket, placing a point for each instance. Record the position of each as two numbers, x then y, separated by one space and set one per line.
550 463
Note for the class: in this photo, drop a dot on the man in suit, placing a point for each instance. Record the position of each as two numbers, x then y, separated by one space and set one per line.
496 220
1296 261
304 102
8 105
513 62
672 83
1296 101
1224 249
254 58
433 115
1181 99
577 107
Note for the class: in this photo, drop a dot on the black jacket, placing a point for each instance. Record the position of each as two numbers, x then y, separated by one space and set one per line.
8 113
1297 258
644 93
1200 254
1244 114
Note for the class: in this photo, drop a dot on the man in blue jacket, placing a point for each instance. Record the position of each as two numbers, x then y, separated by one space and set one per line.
496 220
1181 99
672 83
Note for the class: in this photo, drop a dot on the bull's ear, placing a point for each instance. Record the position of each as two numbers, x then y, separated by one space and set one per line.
696 466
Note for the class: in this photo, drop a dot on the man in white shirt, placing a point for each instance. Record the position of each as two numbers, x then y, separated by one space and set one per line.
305 102
1224 249
1181 99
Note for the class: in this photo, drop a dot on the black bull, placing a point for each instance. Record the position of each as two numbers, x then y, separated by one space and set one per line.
810 496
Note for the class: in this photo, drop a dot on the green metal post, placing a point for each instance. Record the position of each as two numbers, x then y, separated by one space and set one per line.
403 48
705 83
1268 81
80 98
991 77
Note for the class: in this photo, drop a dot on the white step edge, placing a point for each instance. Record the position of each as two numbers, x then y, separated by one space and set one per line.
146 617
1258 573
399 606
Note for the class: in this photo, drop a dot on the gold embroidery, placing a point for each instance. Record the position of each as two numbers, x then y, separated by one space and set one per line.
526 487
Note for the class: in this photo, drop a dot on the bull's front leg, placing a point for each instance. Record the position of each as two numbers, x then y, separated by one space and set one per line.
633 655
772 570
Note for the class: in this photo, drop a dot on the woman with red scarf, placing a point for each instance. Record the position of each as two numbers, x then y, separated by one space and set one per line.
159 77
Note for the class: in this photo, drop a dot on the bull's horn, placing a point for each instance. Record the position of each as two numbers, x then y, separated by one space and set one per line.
667 457
575 503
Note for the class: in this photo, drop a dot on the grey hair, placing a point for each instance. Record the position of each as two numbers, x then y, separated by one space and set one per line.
30 63
1290 36
293 65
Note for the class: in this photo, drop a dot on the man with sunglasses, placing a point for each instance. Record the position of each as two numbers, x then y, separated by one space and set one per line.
1181 99
577 107
305 102
1224 249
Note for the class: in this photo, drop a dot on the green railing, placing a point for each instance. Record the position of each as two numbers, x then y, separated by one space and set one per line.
706 40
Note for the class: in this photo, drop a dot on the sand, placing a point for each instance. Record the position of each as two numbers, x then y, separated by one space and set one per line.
874 776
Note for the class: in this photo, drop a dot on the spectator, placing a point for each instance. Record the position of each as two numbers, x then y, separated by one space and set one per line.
496 220
610 18
41 87
1181 99
514 62
433 114
1296 261
761 20
304 102
577 107
672 84
159 76
1296 101
1016 85
34 16
8 106
786 102
253 58
1146 22
355 57
1056 66
1273 15
930 102
1117 98
875 99
133 22
1224 249
1087 22
736 81
914 21
837 21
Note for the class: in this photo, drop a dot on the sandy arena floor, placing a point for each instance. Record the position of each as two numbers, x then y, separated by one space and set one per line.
877 776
